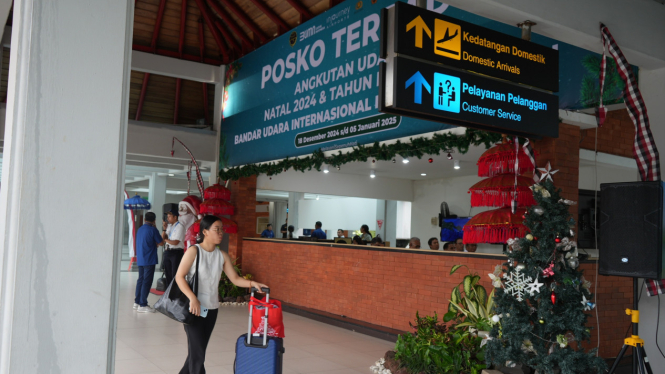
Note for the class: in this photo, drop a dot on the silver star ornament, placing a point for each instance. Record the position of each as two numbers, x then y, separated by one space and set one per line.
546 173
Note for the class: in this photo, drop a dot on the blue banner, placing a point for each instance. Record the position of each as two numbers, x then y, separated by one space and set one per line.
316 87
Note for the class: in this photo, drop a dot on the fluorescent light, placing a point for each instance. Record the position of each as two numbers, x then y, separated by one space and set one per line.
423 174
456 164
372 174
171 175
317 197
405 160
325 169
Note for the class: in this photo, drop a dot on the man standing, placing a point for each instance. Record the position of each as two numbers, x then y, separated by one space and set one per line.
174 236
318 233
433 244
268 233
147 241
284 229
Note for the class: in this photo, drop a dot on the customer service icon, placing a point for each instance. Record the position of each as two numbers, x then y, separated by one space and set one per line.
446 92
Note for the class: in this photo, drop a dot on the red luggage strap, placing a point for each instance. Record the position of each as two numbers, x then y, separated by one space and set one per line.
256 302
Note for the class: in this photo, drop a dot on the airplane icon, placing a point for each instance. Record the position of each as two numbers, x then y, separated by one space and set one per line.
445 38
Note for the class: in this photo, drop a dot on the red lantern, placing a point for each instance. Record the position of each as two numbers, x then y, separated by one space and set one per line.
495 226
498 191
217 191
500 159
229 226
217 207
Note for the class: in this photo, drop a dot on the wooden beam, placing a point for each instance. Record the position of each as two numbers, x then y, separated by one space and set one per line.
183 21
304 12
283 26
221 13
208 18
235 9
158 24
228 38
144 87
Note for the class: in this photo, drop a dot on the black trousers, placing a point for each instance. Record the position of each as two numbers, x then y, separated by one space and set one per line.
171 260
198 336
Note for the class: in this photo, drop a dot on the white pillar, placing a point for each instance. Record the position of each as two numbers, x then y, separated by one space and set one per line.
390 223
217 122
62 177
652 86
294 199
157 196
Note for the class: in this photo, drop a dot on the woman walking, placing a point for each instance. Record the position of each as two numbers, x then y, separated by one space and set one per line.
212 262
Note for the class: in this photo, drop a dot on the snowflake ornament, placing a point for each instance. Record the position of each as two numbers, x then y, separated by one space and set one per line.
516 284
534 287
547 172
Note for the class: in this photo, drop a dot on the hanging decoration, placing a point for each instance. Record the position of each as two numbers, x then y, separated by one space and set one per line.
500 159
547 172
217 191
499 191
217 207
516 284
199 179
418 147
494 226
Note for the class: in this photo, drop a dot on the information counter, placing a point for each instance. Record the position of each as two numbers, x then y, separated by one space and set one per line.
385 287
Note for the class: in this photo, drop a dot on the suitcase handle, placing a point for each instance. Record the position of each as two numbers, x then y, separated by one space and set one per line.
251 310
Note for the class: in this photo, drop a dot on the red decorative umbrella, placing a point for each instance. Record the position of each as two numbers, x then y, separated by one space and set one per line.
499 190
495 226
217 207
217 191
500 159
229 226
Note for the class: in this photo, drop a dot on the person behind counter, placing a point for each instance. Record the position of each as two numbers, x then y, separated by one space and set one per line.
356 240
447 246
364 234
318 233
433 244
377 242
459 245
268 233
340 233
284 229
471 247
291 230
414 243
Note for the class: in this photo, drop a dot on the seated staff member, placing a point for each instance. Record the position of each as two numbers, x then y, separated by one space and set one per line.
377 242
174 236
356 240
318 233
433 244
447 246
471 247
459 245
268 233
340 233
291 229
364 234
414 243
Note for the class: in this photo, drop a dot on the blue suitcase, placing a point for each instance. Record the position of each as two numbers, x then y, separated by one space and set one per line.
258 354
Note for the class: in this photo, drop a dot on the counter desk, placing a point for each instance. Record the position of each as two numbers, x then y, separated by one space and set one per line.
384 287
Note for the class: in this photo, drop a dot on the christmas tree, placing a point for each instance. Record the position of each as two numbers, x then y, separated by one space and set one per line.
541 300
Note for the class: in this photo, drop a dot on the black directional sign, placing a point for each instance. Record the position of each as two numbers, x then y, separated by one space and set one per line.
435 92
434 37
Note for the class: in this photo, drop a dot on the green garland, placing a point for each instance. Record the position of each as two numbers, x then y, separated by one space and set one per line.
417 148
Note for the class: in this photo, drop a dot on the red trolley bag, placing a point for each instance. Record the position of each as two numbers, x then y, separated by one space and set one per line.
258 354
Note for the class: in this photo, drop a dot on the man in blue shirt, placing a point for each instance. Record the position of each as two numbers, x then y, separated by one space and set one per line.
268 233
147 241
318 233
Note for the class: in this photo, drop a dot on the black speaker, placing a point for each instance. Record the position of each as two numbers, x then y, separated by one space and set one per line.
168 208
631 229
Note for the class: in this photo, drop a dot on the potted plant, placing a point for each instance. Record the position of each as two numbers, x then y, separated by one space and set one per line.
470 305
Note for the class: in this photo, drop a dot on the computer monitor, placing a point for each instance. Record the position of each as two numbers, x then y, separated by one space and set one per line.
307 232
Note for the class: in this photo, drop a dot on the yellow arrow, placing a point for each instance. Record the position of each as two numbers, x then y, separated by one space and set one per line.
420 26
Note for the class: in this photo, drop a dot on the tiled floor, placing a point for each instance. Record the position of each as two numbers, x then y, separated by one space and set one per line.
151 343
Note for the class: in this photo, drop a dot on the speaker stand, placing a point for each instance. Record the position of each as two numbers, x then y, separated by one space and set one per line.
640 361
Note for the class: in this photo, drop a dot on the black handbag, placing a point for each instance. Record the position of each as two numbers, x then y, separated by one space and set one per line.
174 303
161 283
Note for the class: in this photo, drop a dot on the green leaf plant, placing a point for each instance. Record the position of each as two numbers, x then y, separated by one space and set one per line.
470 305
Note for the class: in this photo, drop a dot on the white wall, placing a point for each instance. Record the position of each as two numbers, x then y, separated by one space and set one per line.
605 174
403 220
338 184
345 213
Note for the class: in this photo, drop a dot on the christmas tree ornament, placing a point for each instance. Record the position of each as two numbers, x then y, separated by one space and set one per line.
512 262
572 254
527 347
519 267
373 161
538 210
496 276
573 263
430 160
547 172
586 284
529 237
561 339
541 321
567 202
572 233
534 287
536 188
557 239
588 305
516 283
553 297
496 318
338 168
393 160
535 238
549 271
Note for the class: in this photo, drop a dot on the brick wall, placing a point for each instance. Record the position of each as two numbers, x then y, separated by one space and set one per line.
243 198
616 137
387 287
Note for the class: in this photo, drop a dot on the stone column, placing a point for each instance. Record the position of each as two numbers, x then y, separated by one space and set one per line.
62 180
